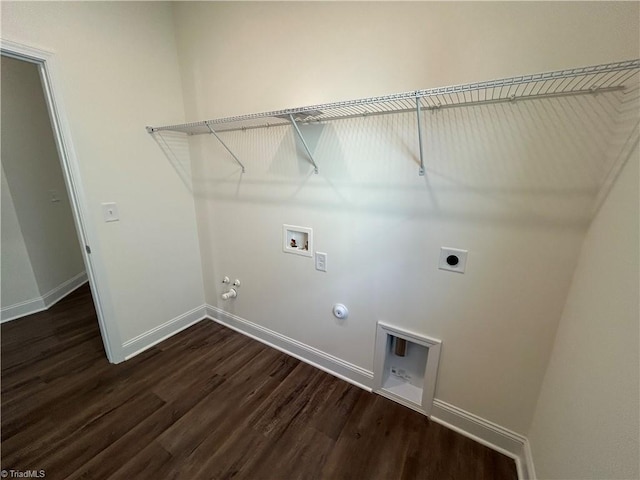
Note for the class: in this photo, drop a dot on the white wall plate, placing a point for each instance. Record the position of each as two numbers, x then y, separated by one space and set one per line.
452 259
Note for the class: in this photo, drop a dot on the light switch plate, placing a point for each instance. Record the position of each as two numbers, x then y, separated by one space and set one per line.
110 212
453 259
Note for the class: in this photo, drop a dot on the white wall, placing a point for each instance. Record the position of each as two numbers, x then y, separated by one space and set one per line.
514 185
265 56
118 72
32 168
586 423
18 281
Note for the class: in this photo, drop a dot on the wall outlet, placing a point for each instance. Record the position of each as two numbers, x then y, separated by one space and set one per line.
321 261
452 259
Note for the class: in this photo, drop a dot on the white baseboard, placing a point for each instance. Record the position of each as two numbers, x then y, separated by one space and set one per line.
485 432
44 302
528 460
148 339
54 295
319 359
22 309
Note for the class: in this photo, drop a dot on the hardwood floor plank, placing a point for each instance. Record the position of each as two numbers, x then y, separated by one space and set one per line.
374 441
232 442
107 384
335 410
152 462
206 403
287 402
94 437
106 462
218 408
205 358
17 389
299 453
224 454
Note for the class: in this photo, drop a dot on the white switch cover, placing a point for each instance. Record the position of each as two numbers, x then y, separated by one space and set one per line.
321 261
452 259
110 212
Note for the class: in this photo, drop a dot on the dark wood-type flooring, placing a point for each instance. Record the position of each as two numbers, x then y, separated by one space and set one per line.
207 403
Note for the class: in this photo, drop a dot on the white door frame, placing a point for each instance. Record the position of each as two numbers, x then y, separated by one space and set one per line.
45 62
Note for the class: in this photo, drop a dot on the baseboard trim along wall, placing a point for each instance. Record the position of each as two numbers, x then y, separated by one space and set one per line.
152 337
485 432
44 302
528 461
319 359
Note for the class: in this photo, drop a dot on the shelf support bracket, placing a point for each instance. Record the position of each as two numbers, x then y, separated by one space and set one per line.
306 147
421 171
213 132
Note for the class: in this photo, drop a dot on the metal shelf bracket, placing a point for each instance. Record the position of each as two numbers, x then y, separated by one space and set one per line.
225 146
306 147
421 171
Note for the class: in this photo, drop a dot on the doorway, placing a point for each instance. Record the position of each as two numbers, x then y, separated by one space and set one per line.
45 248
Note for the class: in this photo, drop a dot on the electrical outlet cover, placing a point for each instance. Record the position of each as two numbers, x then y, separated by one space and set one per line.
321 261
453 259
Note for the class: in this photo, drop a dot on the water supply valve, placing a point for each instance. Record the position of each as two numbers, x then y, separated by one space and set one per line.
231 293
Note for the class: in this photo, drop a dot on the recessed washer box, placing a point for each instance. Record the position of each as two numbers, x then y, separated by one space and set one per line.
409 379
297 240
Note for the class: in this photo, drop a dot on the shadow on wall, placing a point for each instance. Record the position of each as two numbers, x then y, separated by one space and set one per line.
544 161
175 147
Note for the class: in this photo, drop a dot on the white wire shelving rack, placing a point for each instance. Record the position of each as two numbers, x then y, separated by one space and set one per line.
576 81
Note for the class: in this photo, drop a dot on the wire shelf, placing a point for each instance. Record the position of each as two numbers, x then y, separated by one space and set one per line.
576 81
